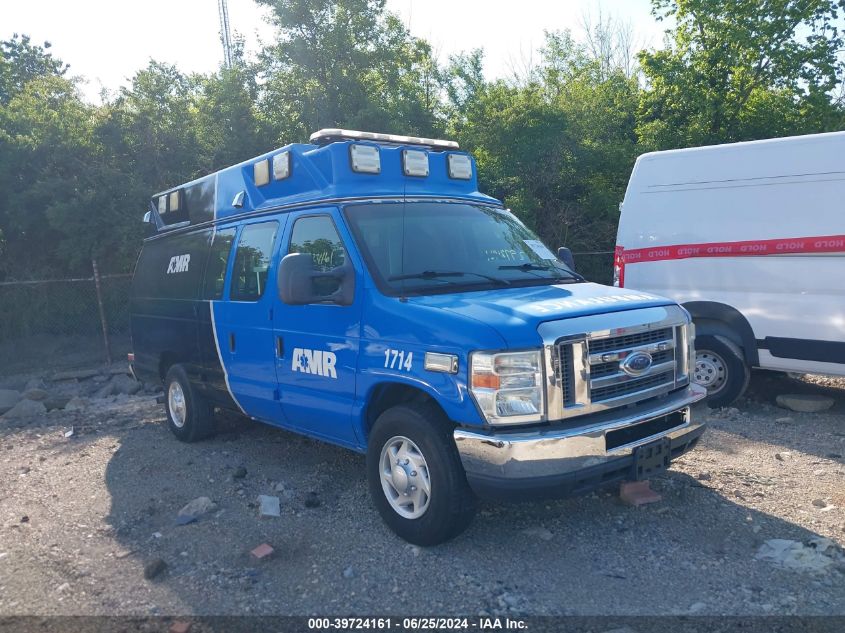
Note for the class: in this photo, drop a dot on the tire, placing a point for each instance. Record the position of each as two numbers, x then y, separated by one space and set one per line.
189 416
450 506
721 368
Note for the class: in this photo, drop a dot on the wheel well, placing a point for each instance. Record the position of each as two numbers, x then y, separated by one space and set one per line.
389 395
718 319
167 360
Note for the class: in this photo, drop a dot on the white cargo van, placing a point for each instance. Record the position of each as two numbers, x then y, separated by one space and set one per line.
750 239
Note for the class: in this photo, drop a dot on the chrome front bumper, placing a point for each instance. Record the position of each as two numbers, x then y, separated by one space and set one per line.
546 456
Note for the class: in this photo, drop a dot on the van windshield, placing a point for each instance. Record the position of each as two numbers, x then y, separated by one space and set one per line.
436 247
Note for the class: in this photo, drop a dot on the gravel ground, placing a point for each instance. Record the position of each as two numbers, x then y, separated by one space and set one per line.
81 517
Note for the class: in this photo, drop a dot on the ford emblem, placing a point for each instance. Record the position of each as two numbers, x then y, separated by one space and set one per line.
636 364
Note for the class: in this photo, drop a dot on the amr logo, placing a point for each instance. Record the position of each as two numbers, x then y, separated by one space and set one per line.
179 264
314 361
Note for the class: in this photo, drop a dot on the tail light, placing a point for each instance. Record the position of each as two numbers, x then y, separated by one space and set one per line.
618 267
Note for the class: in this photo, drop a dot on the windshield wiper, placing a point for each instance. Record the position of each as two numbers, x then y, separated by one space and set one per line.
437 274
530 266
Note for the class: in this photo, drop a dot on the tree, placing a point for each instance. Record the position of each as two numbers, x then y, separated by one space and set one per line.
346 63
739 69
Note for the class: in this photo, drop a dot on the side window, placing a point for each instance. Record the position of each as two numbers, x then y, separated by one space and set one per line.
318 236
252 259
218 261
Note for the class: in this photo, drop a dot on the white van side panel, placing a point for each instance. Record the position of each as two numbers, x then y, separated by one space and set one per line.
708 199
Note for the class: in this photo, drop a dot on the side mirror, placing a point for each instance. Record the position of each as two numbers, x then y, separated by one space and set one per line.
565 255
296 281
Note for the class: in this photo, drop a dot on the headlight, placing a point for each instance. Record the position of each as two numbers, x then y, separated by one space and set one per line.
508 386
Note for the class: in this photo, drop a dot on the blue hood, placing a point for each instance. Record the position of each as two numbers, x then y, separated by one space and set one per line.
515 313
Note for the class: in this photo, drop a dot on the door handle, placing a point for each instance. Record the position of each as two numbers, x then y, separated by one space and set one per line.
280 347
232 342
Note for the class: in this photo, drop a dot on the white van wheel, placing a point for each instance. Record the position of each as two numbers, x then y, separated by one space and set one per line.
710 371
720 367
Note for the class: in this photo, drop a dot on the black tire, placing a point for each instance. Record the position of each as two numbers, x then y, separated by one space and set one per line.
198 415
725 358
451 505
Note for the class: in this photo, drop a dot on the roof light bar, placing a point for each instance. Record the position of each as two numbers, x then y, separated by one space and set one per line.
460 166
414 162
330 135
281 166
365 159
261 172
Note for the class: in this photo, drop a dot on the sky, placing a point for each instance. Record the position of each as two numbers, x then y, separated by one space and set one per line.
106 41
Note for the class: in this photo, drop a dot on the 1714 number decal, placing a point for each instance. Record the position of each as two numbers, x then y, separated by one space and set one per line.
398 359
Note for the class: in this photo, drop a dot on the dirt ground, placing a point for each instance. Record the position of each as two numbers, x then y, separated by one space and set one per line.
82 515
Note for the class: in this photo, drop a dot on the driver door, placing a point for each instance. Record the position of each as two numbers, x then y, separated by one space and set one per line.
317 344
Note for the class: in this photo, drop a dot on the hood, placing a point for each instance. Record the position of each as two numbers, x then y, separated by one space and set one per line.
515 313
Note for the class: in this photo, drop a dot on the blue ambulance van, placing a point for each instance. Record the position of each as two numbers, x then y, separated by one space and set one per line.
359 289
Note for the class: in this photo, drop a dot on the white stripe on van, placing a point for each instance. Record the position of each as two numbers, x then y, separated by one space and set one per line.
220 358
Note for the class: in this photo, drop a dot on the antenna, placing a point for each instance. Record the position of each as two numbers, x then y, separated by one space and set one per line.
225 35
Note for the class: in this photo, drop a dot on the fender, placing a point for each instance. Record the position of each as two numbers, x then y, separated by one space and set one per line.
447 390
712 317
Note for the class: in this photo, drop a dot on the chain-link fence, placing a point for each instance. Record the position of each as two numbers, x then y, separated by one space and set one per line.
58 322
63 322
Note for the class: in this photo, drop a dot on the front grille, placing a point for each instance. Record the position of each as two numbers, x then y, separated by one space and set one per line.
564 372
632 386
592 372
607 379
615 343
608 369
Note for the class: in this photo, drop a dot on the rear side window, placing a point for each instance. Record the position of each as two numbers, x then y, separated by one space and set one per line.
317 236
171 267
218 261
252 261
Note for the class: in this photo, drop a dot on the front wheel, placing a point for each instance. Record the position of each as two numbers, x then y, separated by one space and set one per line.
720 367
415 475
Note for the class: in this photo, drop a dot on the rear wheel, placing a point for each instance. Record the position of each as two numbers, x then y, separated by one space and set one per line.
189 416
415 475
720 368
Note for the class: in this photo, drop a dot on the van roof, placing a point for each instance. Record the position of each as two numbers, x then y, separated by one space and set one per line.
788 156
338 165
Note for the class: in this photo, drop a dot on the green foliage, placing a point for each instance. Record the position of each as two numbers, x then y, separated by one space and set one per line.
557 144
741 69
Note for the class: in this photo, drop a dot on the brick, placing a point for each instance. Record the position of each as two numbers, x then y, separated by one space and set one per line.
180 626
637 493
262 551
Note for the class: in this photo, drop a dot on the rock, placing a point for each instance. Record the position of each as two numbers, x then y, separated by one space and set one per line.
539 532
794 555
782 455
25 409
79 374
35 394
8 399
805 403
820 503
349 573
698 607
240 473
312 501
121 383
154 568
269 506
56 402
34 383
197 507
704 476
77 404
